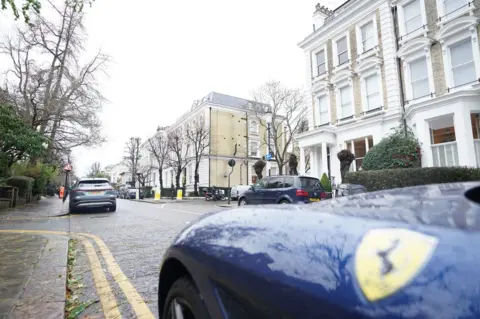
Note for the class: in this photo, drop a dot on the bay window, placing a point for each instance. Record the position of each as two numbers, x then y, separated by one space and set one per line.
368 37
372 92
321 65
419 81
462 63
346 105
412 16
322 110
450 6
342 51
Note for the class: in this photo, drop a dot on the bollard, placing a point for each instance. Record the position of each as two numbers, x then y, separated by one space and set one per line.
179 194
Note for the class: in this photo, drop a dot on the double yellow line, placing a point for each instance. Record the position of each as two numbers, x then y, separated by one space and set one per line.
106 295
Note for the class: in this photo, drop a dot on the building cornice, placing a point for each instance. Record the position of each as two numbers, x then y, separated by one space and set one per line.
347 17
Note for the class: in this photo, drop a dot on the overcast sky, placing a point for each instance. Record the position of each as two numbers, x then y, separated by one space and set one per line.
168 53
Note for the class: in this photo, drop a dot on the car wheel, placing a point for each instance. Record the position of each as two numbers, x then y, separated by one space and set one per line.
112 209
184 301
284 202
242 202
71 210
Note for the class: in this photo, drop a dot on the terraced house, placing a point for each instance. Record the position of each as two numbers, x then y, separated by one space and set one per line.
373 64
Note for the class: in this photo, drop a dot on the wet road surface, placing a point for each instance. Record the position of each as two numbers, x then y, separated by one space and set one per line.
137 235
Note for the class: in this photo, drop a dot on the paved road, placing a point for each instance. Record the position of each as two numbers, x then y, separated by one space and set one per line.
137 235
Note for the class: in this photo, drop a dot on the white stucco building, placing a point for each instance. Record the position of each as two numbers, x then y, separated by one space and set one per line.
370 64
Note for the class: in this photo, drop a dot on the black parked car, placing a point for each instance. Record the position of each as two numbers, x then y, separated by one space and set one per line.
283 190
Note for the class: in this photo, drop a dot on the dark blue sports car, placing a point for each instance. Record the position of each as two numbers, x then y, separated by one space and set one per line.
404 253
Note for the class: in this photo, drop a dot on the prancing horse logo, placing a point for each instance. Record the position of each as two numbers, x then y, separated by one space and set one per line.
388 259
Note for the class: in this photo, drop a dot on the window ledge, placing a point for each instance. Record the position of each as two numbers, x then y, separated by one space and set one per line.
323 125
346 120
320 77
344 66
373 51
372 113
415 34
466 86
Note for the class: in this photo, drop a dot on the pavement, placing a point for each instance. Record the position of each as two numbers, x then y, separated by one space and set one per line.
114 258
33 275
46 207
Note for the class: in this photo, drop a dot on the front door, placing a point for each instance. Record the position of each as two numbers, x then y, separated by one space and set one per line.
256 196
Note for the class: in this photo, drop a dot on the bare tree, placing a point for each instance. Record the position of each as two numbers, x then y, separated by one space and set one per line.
178 148
158 148
50 88
198 136
281 111
95 170
132 157
143 172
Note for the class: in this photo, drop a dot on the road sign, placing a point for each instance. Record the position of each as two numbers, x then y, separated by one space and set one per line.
268 157
67 167
231 163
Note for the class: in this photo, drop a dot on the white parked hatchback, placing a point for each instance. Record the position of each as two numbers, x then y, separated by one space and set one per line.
238 190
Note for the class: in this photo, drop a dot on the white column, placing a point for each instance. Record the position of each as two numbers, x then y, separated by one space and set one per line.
301 169
464 137
324 159
314 162
423 130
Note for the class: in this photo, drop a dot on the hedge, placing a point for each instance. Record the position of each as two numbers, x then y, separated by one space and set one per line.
23 183
405 177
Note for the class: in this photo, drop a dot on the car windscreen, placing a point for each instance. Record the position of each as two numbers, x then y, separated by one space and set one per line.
93 184
310 183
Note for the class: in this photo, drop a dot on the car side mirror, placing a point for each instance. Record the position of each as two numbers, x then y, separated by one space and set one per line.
252 188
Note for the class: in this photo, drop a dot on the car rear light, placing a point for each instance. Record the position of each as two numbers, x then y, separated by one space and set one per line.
301 193
323 195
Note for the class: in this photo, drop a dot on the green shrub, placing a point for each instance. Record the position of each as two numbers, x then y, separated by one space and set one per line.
23 183
398 150
326 184
41 174
396 178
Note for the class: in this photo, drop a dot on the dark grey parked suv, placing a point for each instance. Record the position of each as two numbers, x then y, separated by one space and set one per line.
92 193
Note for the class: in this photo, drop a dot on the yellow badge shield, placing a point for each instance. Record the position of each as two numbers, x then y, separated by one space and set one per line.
388 259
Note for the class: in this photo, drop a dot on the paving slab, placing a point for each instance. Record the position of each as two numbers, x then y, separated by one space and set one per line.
33 273
46 207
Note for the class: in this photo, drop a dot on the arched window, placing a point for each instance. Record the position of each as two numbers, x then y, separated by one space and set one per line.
254 127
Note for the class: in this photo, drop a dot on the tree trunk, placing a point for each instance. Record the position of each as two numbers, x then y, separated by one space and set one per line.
177 177
280 169
195 184
160 178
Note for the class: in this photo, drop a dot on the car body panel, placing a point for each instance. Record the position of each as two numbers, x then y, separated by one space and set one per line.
298 261
263 193
92 192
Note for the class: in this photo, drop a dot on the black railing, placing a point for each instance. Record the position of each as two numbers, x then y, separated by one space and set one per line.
365 51
420 97
406 34
351 117
446 15
454 87
323 125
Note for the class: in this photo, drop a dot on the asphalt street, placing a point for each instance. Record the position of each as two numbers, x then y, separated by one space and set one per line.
137 235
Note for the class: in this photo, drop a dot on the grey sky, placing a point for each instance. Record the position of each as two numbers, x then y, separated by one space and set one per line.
169 53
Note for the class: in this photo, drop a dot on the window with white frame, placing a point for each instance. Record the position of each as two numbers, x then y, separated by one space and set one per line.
254 148
323 117
368 37
372 92
254 127
419 78
412 14
462 63
450 6
342 50
321 66
345 102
